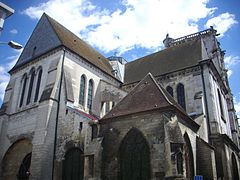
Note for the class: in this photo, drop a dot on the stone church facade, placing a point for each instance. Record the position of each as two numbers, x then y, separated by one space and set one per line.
70 113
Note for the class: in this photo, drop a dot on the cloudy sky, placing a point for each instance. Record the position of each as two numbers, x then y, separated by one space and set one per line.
128 28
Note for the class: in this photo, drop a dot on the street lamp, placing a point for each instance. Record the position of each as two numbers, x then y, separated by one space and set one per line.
5 12
13 44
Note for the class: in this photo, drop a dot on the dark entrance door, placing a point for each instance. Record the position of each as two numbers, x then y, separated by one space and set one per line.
188 158
24 172
134 157
235 174
73 165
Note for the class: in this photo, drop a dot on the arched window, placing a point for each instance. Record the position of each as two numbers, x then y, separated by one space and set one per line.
24 83
82 90
90 94
181 96
38 85
30 86
170 90
134 157
220 103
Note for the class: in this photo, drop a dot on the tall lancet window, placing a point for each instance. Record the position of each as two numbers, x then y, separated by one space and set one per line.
170 90
181 96
38 85
220 103
24 83
82 90
30 86
90 94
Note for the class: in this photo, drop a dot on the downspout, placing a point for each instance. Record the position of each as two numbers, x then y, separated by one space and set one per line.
57 115
206 104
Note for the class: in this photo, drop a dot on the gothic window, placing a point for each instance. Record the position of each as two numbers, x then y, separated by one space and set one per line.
73 165
24 83
220 104
181 96
24 173
38 85
134 157
82 90
90 94
30 86
170 90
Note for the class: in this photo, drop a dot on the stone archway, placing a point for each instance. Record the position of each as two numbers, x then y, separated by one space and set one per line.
189 162
134 157
73 165
16 155
235 174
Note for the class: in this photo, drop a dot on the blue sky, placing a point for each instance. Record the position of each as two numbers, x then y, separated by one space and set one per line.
130 28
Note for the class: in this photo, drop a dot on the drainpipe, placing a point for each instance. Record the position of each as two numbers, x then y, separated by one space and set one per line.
206 104
57 115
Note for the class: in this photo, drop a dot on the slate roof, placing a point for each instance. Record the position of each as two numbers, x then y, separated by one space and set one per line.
80 47
168 60
147 95
57 35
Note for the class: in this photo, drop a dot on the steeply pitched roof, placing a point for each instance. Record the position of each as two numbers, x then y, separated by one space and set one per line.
168 60
146 96
74 43
49 34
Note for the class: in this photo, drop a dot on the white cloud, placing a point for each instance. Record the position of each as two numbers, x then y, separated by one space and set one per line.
14 31
142 23
230 62
237 106
4 76
222 23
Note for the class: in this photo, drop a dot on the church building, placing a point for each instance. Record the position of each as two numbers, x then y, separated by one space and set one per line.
69 113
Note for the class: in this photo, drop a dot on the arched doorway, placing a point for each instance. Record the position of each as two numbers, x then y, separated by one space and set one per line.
235 174
24 170
189 163
73 165
16 156
134 157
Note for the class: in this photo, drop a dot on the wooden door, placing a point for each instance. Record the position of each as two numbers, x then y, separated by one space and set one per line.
73 165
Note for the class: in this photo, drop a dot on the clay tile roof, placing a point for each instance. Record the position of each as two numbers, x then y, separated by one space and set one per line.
168 60
80 47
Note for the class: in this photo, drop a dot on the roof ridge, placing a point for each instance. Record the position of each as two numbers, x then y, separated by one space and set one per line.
163 50
159 88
